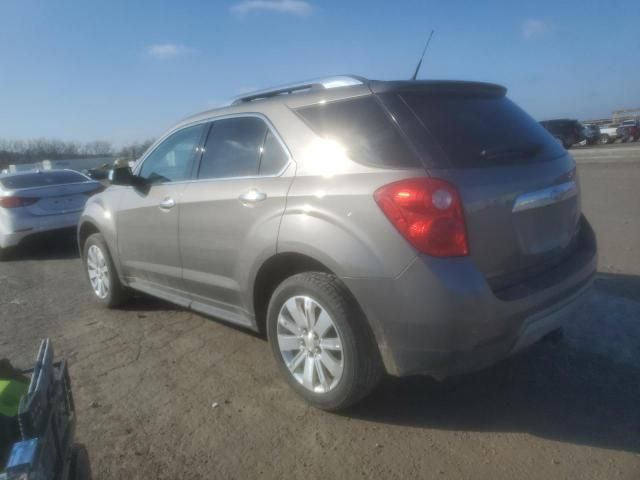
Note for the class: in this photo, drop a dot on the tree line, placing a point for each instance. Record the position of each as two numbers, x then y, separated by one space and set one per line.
38 149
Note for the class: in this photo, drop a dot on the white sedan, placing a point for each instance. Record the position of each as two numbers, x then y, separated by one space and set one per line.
33 202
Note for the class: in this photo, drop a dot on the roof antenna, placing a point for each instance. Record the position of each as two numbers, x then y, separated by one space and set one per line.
415 74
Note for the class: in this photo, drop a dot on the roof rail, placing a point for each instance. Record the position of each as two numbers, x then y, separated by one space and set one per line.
316 84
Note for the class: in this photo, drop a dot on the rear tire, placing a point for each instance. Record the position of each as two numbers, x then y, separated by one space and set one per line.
354 365
604 139
101 273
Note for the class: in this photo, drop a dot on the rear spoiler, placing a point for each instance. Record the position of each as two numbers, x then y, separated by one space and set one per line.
448 87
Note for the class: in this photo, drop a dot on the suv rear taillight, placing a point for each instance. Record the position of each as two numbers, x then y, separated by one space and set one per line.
428 213
15 202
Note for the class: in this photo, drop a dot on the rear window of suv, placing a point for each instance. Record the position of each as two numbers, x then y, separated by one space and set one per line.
480 130
42 179
364 129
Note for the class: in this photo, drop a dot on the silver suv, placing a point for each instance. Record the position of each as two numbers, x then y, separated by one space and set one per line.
412 227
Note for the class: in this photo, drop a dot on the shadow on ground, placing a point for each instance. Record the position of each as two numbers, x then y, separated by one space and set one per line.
565 391
58 245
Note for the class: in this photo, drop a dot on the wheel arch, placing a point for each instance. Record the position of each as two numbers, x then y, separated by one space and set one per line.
85 230
88 227
282 265
274 271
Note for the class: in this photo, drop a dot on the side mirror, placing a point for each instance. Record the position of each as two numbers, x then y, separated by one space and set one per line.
121 175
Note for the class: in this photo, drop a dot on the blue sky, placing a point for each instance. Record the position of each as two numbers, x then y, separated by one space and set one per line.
126 70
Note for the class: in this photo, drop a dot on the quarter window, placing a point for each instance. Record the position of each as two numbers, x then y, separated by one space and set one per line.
363 128
172 160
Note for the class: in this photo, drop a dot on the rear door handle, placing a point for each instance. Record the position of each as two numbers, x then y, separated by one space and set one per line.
167 204
252 197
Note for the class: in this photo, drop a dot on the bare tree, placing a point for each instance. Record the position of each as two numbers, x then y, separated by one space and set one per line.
14 151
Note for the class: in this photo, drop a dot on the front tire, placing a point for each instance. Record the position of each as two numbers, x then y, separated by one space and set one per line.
101 272
321 341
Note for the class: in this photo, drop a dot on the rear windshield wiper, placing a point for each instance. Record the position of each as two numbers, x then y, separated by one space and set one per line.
525 150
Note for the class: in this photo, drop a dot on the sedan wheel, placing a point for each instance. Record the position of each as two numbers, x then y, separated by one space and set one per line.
310 344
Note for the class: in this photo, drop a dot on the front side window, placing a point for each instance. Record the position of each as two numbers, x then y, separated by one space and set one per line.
233 148
172 160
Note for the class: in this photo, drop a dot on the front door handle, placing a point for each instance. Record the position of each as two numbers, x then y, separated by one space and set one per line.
167 204
252 197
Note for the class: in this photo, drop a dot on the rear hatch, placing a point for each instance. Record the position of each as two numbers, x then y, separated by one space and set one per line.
518 185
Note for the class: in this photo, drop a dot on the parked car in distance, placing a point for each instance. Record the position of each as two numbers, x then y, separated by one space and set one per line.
40 201
412 227
591 133
629 131
567 132
609 133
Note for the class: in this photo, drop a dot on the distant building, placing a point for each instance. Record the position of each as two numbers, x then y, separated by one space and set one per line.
618 116
622 115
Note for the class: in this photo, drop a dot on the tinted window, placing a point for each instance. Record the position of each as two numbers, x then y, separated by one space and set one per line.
172 160
477 131
233 148
364 130
42 179
274 158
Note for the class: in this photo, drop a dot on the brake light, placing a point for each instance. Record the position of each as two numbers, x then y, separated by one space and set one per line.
428 213
15 202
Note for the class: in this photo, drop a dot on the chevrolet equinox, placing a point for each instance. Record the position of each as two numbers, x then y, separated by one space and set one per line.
407 227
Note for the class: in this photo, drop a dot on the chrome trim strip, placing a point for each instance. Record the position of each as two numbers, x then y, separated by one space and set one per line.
546 196
138 166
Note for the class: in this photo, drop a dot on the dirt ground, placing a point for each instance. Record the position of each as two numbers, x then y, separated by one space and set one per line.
164 393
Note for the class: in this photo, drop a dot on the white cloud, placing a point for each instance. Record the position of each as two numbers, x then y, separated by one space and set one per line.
293 7
167 50
533 28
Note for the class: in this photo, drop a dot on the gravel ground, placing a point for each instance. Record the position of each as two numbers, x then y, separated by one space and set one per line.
167 393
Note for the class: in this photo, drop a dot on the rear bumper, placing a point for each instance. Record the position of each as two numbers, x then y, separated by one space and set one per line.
14 230
440 317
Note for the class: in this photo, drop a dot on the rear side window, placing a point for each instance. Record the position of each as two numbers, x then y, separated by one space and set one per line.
42 179
363 128
233 148
481 130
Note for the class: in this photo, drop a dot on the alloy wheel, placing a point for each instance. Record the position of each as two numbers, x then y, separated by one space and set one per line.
310 344
98 271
